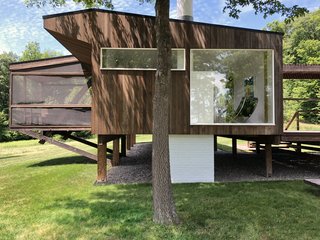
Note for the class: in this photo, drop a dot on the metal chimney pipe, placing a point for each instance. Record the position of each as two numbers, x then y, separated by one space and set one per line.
185 9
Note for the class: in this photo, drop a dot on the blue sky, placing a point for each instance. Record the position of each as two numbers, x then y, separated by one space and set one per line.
20 25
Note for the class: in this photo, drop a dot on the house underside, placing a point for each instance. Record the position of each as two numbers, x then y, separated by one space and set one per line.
225 82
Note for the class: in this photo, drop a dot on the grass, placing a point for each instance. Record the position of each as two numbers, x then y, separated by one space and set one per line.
48 193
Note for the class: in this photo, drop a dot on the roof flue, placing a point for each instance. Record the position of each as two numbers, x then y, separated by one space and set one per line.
185 9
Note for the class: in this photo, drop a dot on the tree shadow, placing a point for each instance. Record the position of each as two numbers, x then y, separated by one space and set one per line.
64 161
115 210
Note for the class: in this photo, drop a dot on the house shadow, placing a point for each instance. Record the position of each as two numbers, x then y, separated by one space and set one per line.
64 161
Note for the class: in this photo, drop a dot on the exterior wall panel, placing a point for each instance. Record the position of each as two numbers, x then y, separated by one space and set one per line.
191 158
122 100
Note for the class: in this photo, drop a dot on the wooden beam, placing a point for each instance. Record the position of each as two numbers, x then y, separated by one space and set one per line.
268 157
59 144
102 160
115 155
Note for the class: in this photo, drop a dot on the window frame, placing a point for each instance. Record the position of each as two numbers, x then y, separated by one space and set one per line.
272 123
139 69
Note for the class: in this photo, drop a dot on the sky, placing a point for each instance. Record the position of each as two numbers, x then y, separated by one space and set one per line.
20 25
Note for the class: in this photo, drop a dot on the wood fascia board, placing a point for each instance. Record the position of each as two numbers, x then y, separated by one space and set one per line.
49 62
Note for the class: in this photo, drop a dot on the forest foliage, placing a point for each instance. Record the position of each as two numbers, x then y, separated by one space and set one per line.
301 46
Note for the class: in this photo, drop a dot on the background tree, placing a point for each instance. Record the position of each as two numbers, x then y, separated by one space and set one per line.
164 208
301 46
32 52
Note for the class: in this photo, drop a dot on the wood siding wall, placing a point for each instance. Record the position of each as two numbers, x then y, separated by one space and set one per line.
122 100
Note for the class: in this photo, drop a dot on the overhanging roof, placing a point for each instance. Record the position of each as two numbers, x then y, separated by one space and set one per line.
301 71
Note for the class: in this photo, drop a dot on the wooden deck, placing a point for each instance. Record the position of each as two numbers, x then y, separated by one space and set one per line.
313 182
301 136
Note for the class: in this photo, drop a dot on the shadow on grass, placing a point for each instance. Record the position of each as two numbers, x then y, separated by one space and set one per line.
64 161
112 210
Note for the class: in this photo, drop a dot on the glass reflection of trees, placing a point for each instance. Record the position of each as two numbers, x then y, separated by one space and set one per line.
232 75
126 58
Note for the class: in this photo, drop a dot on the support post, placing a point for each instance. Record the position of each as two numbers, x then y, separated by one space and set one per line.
102 160
215 143
257 148
115 155
234 148
133 139
129 140
268 156
123 146
299 148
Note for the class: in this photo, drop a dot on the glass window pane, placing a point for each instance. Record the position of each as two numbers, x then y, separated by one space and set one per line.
51 117
231 86
50 90
138 59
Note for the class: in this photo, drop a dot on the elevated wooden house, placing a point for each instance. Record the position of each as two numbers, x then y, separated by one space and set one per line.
225 81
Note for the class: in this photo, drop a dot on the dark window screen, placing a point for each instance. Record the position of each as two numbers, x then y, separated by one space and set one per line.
51 117
50 90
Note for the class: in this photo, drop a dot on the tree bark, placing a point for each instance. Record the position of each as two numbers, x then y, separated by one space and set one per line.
163 203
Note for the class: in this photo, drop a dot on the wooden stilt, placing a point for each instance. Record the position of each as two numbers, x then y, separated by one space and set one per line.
115 155
129 140
133 139
268 156
123 146
257 148
102 160
215 143
298 149
234 148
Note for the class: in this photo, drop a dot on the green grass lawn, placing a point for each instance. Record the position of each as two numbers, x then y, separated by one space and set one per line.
48 193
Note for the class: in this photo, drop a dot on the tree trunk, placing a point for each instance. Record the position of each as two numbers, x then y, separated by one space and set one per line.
163 203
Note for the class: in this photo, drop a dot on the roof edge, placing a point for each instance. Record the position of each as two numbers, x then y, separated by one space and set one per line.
43 62
89 10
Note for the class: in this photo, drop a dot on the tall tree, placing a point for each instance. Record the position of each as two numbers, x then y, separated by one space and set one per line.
164 208
163 204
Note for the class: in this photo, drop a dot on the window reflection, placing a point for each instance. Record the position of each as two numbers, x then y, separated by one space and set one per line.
231 86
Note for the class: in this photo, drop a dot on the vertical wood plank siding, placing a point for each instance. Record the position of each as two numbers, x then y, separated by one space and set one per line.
122 100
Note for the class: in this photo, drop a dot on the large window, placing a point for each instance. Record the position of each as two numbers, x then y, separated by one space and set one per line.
231 86
137 59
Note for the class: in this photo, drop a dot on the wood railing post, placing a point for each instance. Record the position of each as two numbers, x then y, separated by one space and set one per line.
102 160
298 121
